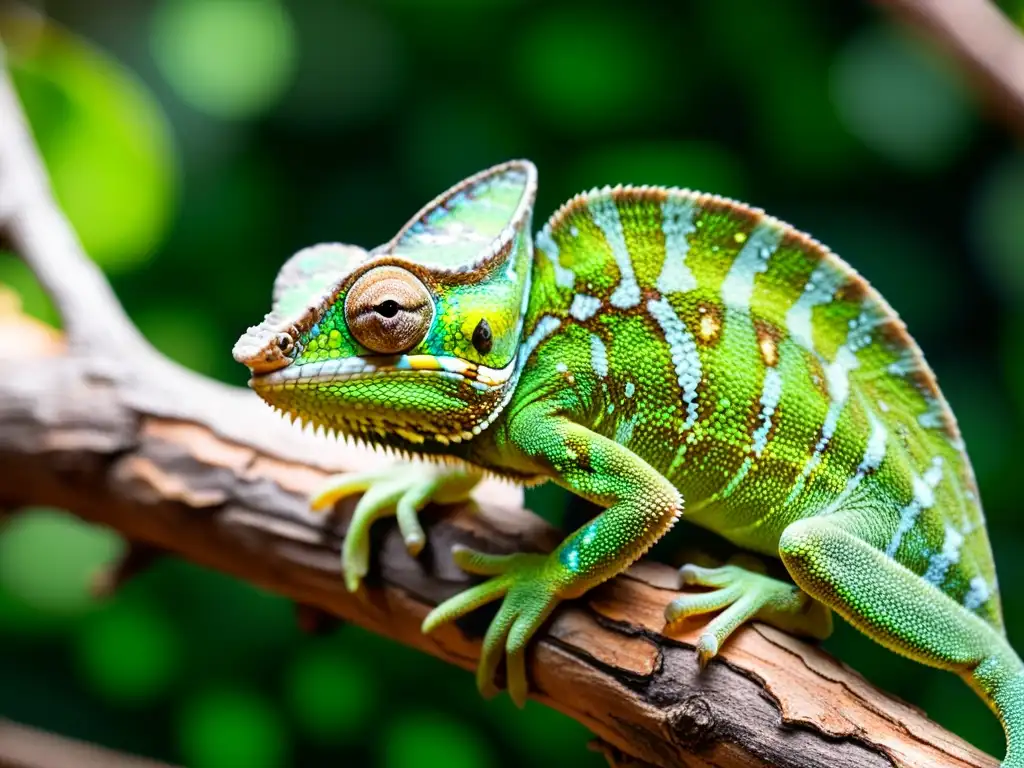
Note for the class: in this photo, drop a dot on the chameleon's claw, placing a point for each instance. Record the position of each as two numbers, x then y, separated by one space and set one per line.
740 595
527 583
387 492
707 649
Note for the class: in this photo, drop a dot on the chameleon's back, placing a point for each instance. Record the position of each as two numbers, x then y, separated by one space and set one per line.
758 372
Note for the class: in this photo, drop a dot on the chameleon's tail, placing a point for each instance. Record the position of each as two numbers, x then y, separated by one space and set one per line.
999 679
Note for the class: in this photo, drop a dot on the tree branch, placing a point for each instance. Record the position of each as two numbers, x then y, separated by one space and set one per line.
173 461
22 747
982 39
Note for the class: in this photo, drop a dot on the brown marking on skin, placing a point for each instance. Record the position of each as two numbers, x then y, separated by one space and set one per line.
854 290
768 339
817 374
709 323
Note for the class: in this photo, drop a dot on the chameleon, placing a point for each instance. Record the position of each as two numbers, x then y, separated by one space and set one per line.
663 353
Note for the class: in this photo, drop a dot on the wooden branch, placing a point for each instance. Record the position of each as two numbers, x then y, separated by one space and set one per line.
982 40
175 462
23 747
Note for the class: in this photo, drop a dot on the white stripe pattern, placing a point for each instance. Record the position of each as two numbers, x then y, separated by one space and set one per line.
942 561
874 455
677 224
544 328
606 216
771 393
978 594
820 288
924 498
624 430
564 277
598 356
738 286
685 357
837 377
584 307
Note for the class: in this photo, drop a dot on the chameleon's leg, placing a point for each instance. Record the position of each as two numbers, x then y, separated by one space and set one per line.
838 560
641 506
745 595
396 491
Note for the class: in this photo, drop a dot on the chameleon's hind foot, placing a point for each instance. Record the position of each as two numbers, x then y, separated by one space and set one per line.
401 491
742 595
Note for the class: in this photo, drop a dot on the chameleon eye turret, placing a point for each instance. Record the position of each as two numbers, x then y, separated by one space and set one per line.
388 310
285 343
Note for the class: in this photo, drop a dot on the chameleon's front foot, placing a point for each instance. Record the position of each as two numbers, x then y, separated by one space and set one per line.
528 583
741 595
402 491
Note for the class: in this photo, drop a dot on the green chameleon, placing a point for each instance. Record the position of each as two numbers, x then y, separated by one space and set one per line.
653 346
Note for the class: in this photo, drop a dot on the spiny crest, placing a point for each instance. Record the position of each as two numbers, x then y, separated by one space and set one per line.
633 223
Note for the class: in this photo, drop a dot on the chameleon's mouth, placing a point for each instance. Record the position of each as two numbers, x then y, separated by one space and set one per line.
321 372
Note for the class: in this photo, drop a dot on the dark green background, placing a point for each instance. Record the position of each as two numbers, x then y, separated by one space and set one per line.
197 143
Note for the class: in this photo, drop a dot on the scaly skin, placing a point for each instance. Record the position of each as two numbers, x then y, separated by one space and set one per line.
657 345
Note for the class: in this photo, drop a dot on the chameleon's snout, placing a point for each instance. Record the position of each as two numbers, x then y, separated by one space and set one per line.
263 351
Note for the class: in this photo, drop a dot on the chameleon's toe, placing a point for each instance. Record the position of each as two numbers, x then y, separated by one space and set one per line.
525 580
739 594
698 603
707 648
392 491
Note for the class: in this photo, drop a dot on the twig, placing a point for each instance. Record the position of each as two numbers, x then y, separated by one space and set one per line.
982 39
180 463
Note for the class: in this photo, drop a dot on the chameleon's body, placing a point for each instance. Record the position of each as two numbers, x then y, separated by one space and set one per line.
652 346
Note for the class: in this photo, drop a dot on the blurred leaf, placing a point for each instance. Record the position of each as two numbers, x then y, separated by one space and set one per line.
332 695
901 99
230 626
365 58
229 58
224 728
547 500
183 334
777 61
431 740
913 271
48 558
105 142
583 72
451 138
555 738
997 226
952 705
981 410
129 652
460 6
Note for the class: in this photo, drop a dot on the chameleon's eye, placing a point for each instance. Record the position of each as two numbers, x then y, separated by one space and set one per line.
388 310
285 343
483 339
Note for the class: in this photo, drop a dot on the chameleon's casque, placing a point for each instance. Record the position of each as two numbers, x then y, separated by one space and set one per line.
657 345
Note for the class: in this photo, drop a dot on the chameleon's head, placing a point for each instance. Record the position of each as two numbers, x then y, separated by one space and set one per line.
417 339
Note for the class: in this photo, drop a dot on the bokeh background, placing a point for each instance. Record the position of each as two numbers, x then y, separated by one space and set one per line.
195 144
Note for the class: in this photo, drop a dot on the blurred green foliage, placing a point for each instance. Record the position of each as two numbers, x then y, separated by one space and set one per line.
195 144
